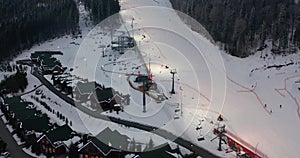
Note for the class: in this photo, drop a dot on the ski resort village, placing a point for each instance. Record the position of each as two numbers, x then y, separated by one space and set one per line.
149 82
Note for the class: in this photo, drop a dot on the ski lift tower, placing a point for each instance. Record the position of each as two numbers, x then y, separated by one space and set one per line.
144 79
144 96
173 72
145 88
220 131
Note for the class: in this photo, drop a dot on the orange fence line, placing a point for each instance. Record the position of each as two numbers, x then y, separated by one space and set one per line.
250 91
289 93
247 145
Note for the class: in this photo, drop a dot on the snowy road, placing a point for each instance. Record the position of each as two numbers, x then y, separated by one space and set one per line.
13 148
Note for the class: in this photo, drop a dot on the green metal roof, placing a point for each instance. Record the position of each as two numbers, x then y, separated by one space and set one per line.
47 60
42 54
113 137
18 106
50 62
11 100
87 87
37 123
105 94
160 151
22 115
29 118
61 133
102 146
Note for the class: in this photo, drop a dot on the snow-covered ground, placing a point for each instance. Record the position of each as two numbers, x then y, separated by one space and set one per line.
260 105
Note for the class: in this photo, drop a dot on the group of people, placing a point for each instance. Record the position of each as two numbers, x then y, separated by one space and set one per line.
280 106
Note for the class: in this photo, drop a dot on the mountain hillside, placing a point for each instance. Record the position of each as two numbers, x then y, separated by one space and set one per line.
24 23
243 26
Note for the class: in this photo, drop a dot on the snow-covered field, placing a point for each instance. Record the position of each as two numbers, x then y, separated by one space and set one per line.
260 105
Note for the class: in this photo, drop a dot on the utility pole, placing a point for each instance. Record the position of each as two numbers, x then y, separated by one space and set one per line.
144 79
144 96
173 72
220 131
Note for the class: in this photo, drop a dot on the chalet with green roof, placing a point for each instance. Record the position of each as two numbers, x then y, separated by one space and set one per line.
105 99
97 149
38 55
47 64
114 138
98 96
24 118
34 126
11 100
51 66
161 151
53 143
20 106
21 115
37 123
19 111
84 89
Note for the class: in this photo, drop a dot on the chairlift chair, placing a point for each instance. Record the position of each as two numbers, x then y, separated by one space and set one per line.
198 127
176 117
177 110
200 138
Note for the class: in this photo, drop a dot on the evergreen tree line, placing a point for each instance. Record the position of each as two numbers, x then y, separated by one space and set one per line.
243 26
101 9
24 23
14 83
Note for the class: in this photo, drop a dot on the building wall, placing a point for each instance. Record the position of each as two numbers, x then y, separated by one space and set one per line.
91 151
49 149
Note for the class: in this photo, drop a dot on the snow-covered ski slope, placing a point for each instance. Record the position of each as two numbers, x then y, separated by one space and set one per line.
260 104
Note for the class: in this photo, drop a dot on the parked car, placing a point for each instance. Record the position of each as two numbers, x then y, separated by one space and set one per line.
5 154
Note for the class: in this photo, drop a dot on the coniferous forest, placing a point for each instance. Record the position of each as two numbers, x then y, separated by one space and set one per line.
102 9
24 23
243 26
